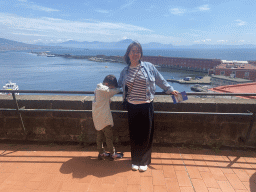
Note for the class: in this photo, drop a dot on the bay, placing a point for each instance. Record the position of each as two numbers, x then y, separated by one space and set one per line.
32 72
223 54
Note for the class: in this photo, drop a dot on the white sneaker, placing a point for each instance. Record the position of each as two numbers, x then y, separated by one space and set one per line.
135 167
143 168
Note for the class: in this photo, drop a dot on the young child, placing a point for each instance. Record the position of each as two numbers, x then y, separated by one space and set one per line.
102 117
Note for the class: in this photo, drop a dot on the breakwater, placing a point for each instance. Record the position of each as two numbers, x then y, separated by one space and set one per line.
191 64
97 58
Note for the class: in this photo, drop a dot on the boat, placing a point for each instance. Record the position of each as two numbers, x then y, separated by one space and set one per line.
10 86
187 78
42 53
50 55
199 88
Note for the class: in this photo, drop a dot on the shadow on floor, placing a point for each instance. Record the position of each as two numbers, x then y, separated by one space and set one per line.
253 183
81 167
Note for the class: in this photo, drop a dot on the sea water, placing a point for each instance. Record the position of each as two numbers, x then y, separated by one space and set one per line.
32 72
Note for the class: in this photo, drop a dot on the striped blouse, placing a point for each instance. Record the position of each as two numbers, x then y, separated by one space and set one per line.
136 89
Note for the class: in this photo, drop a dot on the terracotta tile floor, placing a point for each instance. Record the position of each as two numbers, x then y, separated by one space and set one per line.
59 168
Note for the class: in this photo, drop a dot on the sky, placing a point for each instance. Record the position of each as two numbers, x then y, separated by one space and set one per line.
177 22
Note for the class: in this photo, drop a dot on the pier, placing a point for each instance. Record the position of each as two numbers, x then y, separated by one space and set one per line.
206 80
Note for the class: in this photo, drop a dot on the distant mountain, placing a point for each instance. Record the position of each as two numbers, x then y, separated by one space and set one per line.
125 41
123 44
6 44
153 45
9 45
219 46
96 44
71 42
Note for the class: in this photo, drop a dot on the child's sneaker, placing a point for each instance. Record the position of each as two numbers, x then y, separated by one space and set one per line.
103 155
115 156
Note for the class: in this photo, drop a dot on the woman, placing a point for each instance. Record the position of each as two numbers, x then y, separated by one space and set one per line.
138 80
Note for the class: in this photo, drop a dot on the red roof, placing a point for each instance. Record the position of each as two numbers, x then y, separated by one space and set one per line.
238 88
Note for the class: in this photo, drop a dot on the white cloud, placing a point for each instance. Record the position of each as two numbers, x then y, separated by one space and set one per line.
59 28
38 40
181 11
150 8
29 34
128 4
177 11
222 41
204 8
40 8
203 41
102 11
145 38
240 22
206 40
33 6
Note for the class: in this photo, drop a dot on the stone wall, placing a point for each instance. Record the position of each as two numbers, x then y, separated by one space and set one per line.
169 128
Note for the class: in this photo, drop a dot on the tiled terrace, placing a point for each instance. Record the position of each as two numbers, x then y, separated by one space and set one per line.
66 168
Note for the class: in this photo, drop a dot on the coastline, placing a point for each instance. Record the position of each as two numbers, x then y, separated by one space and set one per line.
119 59
97 58
205 80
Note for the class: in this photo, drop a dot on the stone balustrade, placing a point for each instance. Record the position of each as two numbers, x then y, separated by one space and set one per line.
227 130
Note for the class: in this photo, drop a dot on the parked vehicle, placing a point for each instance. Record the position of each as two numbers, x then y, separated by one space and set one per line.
187 78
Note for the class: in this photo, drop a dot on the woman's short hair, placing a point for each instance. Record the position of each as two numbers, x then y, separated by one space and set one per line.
110 80
126 56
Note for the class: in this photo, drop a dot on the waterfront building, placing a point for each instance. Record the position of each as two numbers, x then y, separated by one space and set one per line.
252 62
191 64
236 69
220 80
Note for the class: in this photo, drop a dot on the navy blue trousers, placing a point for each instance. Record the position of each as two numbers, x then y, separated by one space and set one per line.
141 129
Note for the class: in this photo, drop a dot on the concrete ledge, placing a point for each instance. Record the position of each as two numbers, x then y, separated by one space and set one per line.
169 128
